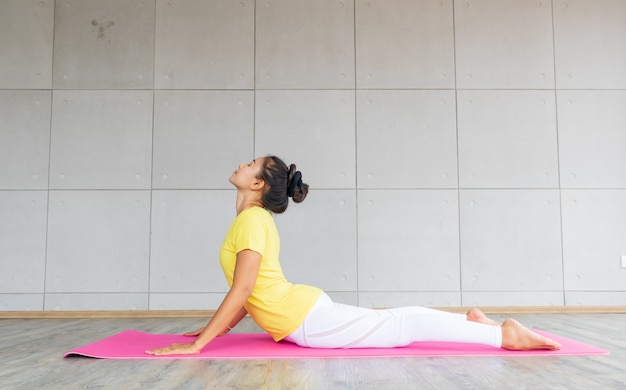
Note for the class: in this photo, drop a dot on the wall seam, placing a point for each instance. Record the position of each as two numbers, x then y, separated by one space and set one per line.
558 154
254 32
458 169
356 156
45 267
151 199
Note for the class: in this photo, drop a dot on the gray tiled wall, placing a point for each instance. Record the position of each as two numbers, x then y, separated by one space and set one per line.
459 152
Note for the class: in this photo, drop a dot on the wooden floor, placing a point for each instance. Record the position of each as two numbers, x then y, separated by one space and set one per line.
32 349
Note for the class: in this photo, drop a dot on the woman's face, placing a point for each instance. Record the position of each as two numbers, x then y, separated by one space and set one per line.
247 173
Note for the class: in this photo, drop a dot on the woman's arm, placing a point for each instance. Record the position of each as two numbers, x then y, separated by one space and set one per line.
242 313
244 279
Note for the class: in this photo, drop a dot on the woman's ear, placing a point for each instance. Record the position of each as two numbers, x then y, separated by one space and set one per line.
257 184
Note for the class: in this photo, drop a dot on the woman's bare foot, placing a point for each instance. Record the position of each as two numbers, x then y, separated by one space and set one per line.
476 315
517 337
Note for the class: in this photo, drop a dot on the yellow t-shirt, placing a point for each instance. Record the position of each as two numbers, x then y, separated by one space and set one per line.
277 306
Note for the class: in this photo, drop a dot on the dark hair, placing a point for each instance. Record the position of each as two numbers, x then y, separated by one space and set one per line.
281 183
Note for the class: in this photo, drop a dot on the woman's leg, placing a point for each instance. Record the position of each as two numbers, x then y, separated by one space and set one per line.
335 325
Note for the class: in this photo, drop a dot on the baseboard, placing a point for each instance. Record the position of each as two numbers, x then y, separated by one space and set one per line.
210 313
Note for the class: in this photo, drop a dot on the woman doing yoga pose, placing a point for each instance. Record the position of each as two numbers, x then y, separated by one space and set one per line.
305 315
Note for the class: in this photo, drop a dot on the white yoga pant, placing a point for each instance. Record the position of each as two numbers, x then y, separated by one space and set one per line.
335 325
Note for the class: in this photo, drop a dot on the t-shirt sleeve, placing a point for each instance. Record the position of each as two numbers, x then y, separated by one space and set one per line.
250 233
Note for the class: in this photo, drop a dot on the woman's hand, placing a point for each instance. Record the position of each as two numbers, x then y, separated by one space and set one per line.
175 349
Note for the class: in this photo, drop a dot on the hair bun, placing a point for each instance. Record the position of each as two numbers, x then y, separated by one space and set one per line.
294 182
296 189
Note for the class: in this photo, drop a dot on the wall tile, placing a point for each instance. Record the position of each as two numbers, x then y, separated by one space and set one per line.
26 53
103 44
508 298
101 140
200 137
204 44
345 297
188 228
313 129
589 38
504 44
408 240
404 44
510 241
385 300
594 228
318 238
507 139
304 44
186 301
24 139
595 298
98 242
23 241
406 139
96 302
21 302
592 139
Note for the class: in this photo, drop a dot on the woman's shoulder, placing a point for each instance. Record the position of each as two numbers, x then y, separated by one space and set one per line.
253 219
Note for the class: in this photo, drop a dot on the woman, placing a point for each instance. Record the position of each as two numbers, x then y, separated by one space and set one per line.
305 315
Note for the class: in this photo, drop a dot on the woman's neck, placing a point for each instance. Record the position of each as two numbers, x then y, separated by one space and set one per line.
245 201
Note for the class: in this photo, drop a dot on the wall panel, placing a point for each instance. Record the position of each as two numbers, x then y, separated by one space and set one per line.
204 44
26 47
98 242
103 44
24 139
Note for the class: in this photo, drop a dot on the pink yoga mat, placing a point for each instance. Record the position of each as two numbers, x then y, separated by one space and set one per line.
131 344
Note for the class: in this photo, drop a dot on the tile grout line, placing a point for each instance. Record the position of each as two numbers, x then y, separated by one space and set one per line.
558 154
45 268
458 169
